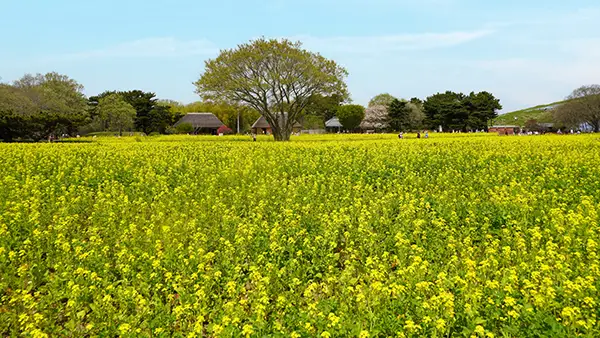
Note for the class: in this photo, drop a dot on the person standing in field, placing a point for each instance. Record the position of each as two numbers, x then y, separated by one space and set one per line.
418 134
426 134
401 135
253 137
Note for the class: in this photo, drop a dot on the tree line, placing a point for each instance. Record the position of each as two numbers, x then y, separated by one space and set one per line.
449 111
273 78
42 106
286 83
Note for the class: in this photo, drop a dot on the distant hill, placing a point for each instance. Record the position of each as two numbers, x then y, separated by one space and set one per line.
541 113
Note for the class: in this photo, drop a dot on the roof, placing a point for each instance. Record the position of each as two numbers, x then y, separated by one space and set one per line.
507 126
262 122
334 122
201 120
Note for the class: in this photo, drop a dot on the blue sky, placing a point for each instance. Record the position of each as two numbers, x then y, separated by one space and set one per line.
526 52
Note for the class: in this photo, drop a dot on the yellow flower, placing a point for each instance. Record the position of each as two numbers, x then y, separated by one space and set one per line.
124 328
217 329
479 330
247 330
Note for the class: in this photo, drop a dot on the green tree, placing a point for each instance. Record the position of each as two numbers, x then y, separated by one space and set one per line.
274 77
150 115
351 115
184 128
456 111
416 101
16 111
384 99
324 107
405 115
398 115
415 116
60 105
583 106
481 108
447 110
115 113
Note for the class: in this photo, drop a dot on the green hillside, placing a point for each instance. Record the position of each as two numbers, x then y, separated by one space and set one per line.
541 113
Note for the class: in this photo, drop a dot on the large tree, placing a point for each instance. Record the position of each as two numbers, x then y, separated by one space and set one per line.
457 111
37 106
16 112
384 99
405 115
277 78
583 106
115 113
376 118
481 108
351 115
151 116
446 110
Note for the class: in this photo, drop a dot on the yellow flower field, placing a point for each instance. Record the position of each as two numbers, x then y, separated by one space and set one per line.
323 236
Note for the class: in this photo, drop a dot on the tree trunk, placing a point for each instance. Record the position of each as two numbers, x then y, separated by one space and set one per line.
280 134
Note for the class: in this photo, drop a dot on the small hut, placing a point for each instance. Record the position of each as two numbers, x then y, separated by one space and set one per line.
261 126
504 130
333 125
203 123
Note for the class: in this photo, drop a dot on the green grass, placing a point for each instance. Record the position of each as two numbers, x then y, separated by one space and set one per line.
534 113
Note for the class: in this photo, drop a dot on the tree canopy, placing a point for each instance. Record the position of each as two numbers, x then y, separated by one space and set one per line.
150 115
115 113
376 118
37 106
351 115
404 115
324 107
273 77
457 111
384 99
582 107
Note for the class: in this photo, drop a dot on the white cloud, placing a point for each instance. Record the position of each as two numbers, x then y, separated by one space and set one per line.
376 45
531 81
150 48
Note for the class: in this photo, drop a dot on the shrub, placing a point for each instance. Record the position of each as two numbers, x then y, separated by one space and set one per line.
184 128
351 115
224 130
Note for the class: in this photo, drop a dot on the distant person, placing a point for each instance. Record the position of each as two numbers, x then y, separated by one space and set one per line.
253 137
426 134
418 135
401 135
559 132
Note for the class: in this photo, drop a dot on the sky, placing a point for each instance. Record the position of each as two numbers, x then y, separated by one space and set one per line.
525 52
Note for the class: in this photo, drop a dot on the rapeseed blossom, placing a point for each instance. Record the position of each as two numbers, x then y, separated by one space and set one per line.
335 235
